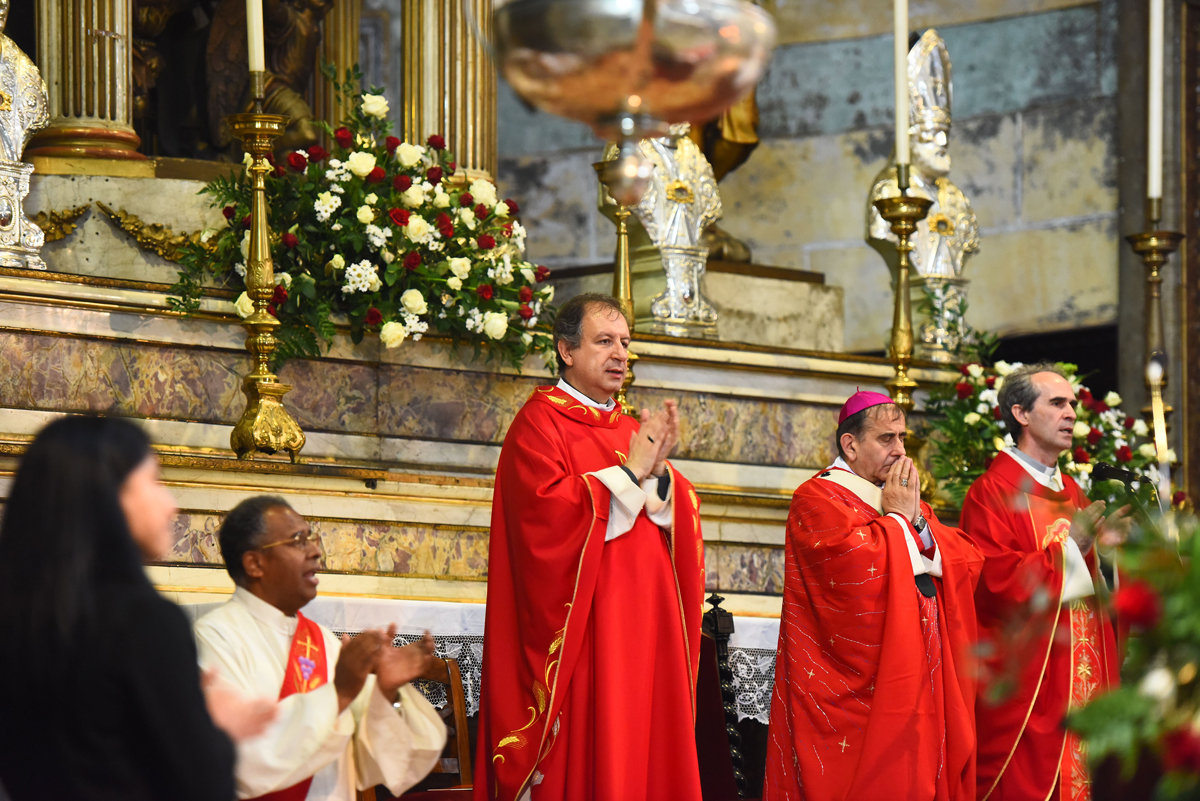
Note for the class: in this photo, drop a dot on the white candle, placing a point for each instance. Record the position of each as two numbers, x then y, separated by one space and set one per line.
1154 136
254 34
901 53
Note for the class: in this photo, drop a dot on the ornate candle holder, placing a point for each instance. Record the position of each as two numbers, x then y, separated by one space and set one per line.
265 427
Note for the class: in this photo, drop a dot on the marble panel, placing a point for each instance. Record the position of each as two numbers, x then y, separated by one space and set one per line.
333 396
776 313
447 404
743 568
869 294
1069 160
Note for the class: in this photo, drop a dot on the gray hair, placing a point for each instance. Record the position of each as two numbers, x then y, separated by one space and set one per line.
568 324
1018 390
856 423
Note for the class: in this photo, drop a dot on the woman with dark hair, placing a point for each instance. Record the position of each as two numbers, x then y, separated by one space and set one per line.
100 693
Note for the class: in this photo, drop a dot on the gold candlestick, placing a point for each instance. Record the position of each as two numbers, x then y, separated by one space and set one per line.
623 291
265 427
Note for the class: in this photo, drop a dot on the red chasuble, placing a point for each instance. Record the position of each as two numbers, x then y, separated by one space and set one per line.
307 669
1049 657
873 697
591 647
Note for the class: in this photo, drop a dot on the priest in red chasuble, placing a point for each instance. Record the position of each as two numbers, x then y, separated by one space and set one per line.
874 694
595 589
1050 642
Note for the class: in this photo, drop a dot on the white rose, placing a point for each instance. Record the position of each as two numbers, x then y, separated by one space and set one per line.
454 282
971 418
337 262
1158 684
392 334
374 284
441 200
460 267
413 196
360 163
387 256
484 192
1003 368
548 294
495 324
1112 399
1083 468
414 302
501 210
998 443
284 279
418 229
375 106
999 383
365 214
976 370
1081 429
1146 449
371 199
245 246
244 306
1140 428
409 155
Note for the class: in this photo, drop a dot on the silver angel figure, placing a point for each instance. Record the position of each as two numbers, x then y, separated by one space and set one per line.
23 110
681 202
949 234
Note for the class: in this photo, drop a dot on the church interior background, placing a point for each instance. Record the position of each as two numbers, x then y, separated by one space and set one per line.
1048 144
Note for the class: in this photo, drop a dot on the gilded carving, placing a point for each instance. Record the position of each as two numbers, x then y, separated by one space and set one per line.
23 103
154 237
58 225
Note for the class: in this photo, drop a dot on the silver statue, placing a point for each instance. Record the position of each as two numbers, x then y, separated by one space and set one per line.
949 234
23 110
679 204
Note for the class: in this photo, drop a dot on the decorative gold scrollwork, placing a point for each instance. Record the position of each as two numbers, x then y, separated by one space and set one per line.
60 224
154 237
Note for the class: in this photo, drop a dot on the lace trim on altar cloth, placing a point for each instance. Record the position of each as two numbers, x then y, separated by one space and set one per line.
753 673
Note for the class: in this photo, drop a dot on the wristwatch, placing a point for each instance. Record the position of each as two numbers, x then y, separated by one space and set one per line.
919 522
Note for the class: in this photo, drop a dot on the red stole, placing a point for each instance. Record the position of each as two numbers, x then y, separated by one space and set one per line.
1045 664
570 705
873 696
307 669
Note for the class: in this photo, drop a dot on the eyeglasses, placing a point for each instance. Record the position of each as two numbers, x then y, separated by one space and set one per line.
300 540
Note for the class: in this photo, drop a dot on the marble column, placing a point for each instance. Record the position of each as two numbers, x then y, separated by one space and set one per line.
449 81
84 56
339 47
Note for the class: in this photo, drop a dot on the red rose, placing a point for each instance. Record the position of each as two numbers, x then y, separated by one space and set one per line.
271 310
1181 750
1180 497
434 175
965 369
1081 455
1084 394
525 294
400 217
541 273
281 295
391 143
279 171
445 225
376 176
246 221
525 312
481 212
229 211
344 137
412 261
402 183
289 239
1138 603
486 241
990 381
373 316
436 142
452 166
964 390
317 153
485 291
507 229
466 200
1124 454
1094 436
297 162
1129 423
999 415
1099 407
513 208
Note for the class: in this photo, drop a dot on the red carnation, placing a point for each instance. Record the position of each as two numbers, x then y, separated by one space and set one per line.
281 295
391 143
376 176
1081 455
525 294
513 208
400 217
412 261
246 221
541 273
434 175
1094 436
485 291
317 153
344 137
289 239
990 381
229 211
481 211
1181 750
1138 603
1124 454
402 183
373 316
1129 423
999 415
466 200
1180 497
436 142
486 241
525 312
297 161
964 390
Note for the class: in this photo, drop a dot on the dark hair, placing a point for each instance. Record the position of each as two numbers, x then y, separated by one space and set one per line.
64 533
1018 390
241 530
856 423
568 324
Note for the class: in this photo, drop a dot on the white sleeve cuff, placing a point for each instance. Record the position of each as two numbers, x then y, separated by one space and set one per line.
627 502
1077 581
920 562
658 510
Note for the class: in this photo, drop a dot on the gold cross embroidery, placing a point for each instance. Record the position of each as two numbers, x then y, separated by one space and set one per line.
308 647
872 570
844 745
810 674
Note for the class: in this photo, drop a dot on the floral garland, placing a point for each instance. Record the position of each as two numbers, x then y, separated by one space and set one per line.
968 432
377 232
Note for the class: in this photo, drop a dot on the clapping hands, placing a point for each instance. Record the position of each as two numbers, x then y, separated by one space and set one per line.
372 652
650 446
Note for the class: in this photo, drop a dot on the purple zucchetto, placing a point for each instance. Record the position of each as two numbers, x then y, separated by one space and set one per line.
862 400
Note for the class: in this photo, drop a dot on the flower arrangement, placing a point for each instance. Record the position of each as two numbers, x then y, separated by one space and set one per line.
377 232
967 429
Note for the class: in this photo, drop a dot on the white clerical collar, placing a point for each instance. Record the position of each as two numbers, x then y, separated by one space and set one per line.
584 399
264 612
840 462
1048 477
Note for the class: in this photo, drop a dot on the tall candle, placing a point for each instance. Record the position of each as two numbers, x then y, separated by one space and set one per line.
1154 154
900 11
254 34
